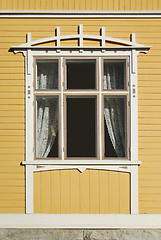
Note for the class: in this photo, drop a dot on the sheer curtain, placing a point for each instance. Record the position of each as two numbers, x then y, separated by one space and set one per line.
114 107
47 110
47 75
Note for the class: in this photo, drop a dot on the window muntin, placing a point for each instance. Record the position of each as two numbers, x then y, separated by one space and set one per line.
121 94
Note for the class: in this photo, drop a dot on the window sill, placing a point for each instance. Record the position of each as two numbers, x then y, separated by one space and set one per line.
82 163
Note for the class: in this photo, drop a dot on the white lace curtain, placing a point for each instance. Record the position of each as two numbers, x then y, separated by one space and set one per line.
47 75
47 111
114 108
114 73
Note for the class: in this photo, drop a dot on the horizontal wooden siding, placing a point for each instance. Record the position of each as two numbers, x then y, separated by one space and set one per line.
80 5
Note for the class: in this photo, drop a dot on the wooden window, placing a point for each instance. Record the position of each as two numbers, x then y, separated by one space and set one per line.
81 108
116 131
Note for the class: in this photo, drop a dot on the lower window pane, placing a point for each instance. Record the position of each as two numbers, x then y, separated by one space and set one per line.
115 126
47 127
81 126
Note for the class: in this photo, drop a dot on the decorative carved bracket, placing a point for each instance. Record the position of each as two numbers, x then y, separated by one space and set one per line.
80 37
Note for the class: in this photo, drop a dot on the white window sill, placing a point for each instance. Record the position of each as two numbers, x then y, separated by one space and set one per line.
82 162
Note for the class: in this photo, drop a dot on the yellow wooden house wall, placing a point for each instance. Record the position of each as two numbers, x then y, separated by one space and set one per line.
80 4
12 110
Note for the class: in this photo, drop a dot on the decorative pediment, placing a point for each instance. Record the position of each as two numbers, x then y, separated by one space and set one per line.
104 40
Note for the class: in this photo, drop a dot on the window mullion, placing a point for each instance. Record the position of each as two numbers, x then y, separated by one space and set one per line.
62 108
100 106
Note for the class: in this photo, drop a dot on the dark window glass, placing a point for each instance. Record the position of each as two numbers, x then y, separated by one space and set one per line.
81 127
81 74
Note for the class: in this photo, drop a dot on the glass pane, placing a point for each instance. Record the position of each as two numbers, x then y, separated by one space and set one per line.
115 129
47 127
47 74
81 74
114 74
81 127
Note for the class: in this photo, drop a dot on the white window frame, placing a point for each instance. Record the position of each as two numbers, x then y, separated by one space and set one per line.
130 50
99 92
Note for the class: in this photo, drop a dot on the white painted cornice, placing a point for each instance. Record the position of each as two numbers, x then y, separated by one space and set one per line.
79 14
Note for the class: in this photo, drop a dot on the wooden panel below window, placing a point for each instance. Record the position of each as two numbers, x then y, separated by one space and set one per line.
90 192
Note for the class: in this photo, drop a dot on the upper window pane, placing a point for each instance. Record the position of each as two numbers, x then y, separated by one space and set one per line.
81 74
47 74
114 74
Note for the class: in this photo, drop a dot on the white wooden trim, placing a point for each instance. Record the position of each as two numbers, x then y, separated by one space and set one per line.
80 32
29 63
81 168
134 130
87 52
74 48
79 14
29 189
80 36
82 162
29 129
134 108
58 36
134 190
81 221
110 92
103 34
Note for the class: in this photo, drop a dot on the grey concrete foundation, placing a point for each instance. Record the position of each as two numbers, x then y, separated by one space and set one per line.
52 234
